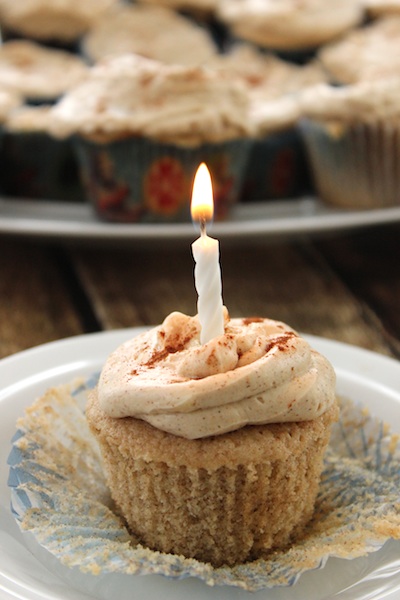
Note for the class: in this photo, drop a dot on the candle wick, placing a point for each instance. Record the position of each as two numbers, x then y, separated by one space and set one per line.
203 226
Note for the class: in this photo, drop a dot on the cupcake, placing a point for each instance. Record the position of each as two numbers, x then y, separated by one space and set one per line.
374 52
292 28
214 451
277 166
59 22
201 12
142 128
352 137
264 73
38 73
34 164
150 31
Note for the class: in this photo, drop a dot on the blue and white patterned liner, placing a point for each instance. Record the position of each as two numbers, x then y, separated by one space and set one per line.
59 495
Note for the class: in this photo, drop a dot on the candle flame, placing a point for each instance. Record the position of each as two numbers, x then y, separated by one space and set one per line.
202 206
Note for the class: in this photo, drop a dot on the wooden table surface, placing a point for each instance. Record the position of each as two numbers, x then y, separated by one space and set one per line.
343 286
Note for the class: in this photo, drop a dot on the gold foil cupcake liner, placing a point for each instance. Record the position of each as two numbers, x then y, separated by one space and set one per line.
60 499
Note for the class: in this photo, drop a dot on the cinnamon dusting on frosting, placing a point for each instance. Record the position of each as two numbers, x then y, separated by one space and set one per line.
249 320
260 371
280 342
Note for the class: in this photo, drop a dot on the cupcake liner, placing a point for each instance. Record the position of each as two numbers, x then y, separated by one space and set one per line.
59 498
355 166
35 165
209 511
136 179
277 168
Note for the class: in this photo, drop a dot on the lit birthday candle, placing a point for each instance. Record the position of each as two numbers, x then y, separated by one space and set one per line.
207 271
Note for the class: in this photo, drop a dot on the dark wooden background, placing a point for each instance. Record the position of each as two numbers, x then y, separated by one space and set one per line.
344 286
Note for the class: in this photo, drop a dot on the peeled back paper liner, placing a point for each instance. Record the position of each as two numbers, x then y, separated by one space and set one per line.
59 495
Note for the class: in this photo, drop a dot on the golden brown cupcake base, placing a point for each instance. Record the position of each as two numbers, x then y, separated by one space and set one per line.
225 499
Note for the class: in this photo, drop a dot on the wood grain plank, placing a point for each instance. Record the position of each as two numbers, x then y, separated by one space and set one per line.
35 306
293 283
296 285
129 288
369 263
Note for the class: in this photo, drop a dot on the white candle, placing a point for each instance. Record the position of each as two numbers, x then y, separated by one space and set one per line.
207 271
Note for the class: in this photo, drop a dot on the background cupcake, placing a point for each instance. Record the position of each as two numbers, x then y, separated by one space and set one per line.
352 136
34 164
151 31
142 128
59 22
292 28
367 53
277 166
38 73
202 12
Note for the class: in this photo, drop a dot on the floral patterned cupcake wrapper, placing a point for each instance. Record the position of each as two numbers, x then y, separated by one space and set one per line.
59 495
138 180
277 168
35 165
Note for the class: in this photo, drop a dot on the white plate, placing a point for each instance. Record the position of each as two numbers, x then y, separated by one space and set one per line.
269 219
362 375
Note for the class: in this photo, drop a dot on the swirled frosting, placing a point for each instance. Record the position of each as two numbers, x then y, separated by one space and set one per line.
260 371
365 101
151 31
131 95
374 52
35 71
290 24
52 19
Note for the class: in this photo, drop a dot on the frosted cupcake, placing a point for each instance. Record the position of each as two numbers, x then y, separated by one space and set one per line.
352 136
368 53
277 167
150 31
265 74
292 28
38 73
143 128
61 21
214 451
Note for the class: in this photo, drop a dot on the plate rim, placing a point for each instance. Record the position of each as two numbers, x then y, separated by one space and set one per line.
266 218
